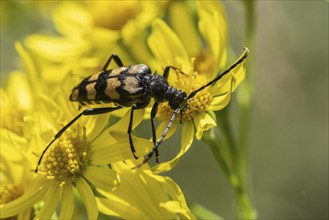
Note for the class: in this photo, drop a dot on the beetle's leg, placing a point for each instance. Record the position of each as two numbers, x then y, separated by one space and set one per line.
153 114
89 111
130 130
166 71
116 59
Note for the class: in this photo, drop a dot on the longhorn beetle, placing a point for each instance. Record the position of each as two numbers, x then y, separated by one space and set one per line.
133 86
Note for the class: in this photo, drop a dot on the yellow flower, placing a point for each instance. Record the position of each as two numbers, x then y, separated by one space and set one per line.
199 65
67 164
16 102
14 172
144 195
90 32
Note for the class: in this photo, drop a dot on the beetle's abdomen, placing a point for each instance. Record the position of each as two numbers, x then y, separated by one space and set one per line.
121 85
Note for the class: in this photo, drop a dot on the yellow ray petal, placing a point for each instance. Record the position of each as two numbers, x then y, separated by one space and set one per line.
203 122
171 187
178 209
71 18
187 139
183 24
30 67
88 198
220 102
162 126
115 206
103 178
212 26
52 48
119 150
167 47
19 90
67 202
26 201
50 202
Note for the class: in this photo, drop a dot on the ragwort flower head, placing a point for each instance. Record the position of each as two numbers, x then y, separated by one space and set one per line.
15 176
88 32
67 164
16 102
200 64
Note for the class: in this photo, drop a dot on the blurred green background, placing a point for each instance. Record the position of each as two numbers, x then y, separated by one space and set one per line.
288 157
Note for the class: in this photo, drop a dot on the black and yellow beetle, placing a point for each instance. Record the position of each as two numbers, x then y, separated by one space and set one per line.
132 86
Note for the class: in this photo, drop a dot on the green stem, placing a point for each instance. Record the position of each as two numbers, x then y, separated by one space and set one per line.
230 154
218 142
244 101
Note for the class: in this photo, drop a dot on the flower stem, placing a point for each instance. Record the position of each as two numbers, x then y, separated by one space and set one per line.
231 154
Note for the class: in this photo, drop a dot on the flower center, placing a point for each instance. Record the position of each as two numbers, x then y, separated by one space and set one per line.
198 104
68 157
204 63
10 192
12 120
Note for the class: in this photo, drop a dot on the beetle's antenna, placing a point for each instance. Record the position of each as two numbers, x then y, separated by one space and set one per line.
242 58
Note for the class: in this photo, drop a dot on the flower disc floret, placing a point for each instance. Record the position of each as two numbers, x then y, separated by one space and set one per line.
10 192
68 157
13 120
198 104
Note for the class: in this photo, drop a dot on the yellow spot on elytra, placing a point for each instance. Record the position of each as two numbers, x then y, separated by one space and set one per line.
110 90
94 77
91 91
131 84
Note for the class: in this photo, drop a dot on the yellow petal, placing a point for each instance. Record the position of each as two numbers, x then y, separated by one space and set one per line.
203 122
119 150
140 195
222 86
26 201
171 187
220 102
162 126
30 67
186 141
212 26
100 37
57 49
10 145
72 19
67 202
103 178
115 206
184 26
167 47
51 199
122 124
88 198
19 90
181 211
238 73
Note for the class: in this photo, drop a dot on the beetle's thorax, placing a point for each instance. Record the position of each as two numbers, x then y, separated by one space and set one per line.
159 89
